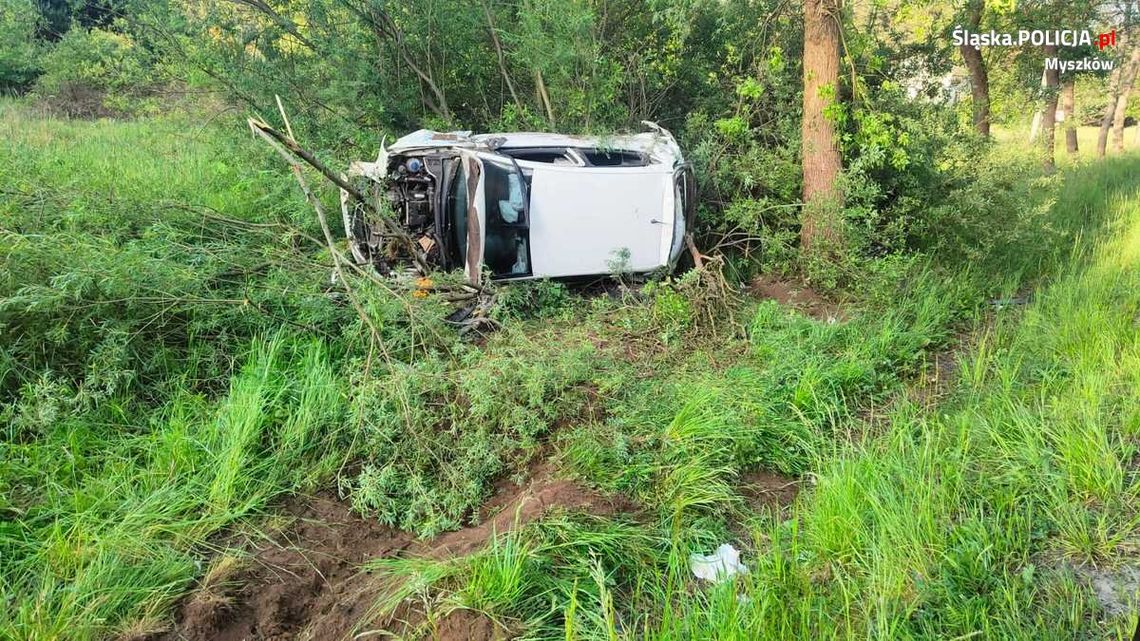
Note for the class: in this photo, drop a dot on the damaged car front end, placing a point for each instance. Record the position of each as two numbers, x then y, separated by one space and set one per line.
527 205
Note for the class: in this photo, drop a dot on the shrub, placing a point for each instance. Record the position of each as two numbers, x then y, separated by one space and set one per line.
94 72
437 431
19 52
533 299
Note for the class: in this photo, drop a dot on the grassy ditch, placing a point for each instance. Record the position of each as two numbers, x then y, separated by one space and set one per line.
174 361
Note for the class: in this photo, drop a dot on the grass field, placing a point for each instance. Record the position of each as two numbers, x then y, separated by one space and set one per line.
1086 141
173 362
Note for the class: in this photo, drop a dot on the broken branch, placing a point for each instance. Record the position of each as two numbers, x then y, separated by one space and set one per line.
290 150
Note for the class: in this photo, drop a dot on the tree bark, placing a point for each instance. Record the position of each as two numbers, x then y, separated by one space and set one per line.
1109 111
543 96
822 164
1127 79
1035 128
1068 105
1049 115
976 65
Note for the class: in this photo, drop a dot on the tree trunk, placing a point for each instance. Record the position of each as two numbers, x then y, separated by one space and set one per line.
1127 79
820 147
500 55
1117 83
1109 112
1068 105
979 79
543 96
1035 128
1049 116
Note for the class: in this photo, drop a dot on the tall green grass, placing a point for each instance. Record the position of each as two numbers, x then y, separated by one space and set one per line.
165 375
116 538
155 382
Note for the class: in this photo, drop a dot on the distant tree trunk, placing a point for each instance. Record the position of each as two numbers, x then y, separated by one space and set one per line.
1035 128
1127 79
1109 112
543 96
1049 116
979 79
820 146
500 55
1117 82
1068 105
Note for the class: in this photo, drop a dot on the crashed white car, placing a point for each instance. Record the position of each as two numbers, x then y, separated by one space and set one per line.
530 205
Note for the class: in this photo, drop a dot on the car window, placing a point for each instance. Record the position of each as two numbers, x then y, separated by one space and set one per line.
548 155
614 158
506 239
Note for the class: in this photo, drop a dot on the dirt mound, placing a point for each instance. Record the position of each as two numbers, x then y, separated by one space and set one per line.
514 506
305 584
796 295
309 568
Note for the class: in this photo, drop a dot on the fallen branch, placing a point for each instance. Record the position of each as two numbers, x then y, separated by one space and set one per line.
698 258
290 150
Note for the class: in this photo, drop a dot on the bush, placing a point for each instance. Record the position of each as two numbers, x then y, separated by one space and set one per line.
437 432
91 73
19 52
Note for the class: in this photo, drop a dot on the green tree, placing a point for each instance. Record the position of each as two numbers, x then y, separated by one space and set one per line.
19 50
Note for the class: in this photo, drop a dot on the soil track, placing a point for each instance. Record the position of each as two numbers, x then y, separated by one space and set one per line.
304 584
797 295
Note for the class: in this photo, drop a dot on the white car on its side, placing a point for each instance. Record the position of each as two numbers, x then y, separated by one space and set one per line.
532 205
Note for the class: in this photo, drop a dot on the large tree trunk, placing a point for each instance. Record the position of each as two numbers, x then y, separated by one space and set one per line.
1049 116
979 79
1127 79
822 164
1068 105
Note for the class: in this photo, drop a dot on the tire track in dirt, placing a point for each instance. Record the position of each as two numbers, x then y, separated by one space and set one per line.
305 583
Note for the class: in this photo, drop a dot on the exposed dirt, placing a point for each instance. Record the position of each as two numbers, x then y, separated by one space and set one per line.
307 572
514 506
305 583
796 295
939 373
1116 589
764 489
465 625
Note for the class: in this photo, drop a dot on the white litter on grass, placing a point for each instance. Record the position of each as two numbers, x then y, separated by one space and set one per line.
720 565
